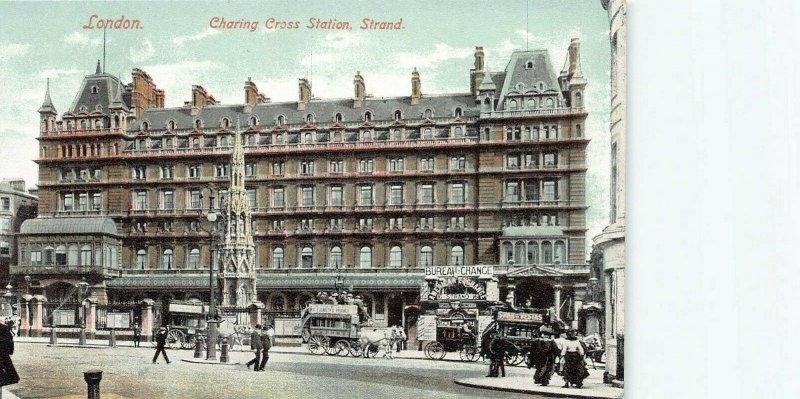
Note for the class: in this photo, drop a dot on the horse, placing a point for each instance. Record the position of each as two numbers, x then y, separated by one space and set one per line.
234 332
383 339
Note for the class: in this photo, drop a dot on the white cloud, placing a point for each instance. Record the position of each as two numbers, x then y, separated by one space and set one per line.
55 73
177 79
82 38
179 40
342 39
442 52
143 52
9 50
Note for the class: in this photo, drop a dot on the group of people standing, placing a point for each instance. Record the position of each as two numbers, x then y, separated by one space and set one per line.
547 354
260 343
344 298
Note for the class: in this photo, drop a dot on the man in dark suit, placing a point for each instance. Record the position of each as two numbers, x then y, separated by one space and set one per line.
266 344
8 374
161 341
255 345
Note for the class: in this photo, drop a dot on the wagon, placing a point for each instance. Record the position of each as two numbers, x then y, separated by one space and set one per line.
450 337
518 329
185 320
332 329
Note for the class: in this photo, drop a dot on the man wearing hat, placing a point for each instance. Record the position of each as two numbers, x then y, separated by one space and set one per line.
161 341
255 345
542 356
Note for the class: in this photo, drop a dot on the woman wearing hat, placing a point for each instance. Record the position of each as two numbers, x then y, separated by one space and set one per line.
574 369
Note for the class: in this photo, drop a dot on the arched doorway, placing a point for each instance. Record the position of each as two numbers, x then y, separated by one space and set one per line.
540 294
61 292
394 304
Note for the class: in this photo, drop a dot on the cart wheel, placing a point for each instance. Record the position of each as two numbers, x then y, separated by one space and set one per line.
317 344
332 349
355 350
469 353
435 351
342 348
372 350
513 355
176 339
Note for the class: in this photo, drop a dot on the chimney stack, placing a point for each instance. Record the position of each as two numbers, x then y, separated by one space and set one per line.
200 98
252 96
144 93
477 73
360 89
416 88
305 94
575 59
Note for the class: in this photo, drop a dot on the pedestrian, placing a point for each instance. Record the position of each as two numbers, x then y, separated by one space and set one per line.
8 374
255 345
498 347
574 369
137 335
560 340
266 345
542 356
161 342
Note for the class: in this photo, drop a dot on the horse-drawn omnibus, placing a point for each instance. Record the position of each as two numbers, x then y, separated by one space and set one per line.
338 330
187 321
518 328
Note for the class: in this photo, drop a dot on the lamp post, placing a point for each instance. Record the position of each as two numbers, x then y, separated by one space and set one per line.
8 295
215 219
83 289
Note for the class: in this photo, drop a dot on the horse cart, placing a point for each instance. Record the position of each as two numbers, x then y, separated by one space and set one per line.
186 322
336 330
518 329
455 332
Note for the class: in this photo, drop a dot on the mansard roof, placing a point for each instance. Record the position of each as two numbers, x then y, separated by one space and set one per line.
517 71
72 226
323 110
108 87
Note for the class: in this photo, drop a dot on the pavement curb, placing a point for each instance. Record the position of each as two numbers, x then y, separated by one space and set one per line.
574 393
212 362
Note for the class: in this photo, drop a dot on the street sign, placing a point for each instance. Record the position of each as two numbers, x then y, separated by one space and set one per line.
118 320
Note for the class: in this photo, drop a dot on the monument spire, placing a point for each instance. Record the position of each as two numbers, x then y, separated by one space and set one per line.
238 254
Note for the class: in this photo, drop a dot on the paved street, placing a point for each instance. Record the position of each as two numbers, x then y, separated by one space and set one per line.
127 372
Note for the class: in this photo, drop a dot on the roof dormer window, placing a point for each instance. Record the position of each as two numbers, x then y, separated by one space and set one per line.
253 121
339 118
309 118
428 114
281 120
145 126
226 123
171 125
99 108
398 115
198 123
458 112
368 116
94 89
529 65
84 108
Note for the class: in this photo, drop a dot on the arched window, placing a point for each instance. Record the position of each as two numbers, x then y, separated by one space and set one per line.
339 118
49 255
336 257
457 255
253 121
337 137
194 258
195 143
547 252
548 103
533 253
398 115
427 133
309 118
578 100
531 103
308 138
512 104
94 89
72 256
458 112
368 116
223 141
365 257
279 138
145 126
578 130
281 120
86 256
529 65
61 255
508 252
487 105
141 259
278 303
397 135
428 114
396 257
226 123
277 258
459 133
198 123
306 257
366 135
166 259
519 253
559 252
426 256
171 125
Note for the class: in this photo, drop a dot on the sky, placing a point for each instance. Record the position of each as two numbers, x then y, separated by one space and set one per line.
177 47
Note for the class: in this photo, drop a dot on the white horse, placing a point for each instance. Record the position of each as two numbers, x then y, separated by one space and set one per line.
234 332
383 339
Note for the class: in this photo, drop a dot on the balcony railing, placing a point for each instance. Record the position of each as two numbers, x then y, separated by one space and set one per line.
519 113
64 269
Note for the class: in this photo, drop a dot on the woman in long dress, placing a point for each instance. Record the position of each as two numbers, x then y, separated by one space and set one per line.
574 370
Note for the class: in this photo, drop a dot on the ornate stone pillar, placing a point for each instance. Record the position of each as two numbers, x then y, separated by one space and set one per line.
90 306
510 296
36 320
256 308
147 319
557 300
25 315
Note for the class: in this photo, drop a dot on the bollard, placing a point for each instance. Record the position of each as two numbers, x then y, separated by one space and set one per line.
198 347
223 356
82 337
112 339
53 336
92 378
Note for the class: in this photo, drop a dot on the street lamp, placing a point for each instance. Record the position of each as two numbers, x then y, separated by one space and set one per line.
211 341
83 289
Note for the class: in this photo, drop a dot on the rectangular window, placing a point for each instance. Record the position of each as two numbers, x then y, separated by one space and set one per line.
250 169
365 198
139 173
69 202
36 257
223 197
167 199
141 200
365 223
531 161
396 165
277 225
96 173
531 190
457 222
426 194
277 168
396 194
337 224
457 194
5 204
512 191
97 202
512 161
336 166
395 223
426 222
366 165
4 248
307 167
550 159
426 164
193 171
278 198
221 170
336 196
458 163
306 224
549 191
194 199
83 201
5 225
513 133
251 198
168 172
308 196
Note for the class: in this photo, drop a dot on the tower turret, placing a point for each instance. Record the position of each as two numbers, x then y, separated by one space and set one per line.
47 112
